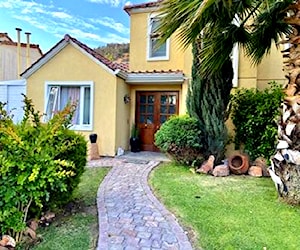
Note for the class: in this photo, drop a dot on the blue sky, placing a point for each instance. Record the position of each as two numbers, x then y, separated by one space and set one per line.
93 22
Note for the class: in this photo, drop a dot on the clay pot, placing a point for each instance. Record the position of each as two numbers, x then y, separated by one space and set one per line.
238 163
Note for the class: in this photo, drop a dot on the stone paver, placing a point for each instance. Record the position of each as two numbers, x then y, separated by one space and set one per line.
130 217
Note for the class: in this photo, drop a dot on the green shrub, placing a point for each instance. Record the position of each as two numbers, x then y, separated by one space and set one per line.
40 164
254 114
180 137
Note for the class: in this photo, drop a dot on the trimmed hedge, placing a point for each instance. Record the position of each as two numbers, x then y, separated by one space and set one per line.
180 137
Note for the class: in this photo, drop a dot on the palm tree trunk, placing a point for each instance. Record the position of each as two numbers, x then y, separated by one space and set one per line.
287 158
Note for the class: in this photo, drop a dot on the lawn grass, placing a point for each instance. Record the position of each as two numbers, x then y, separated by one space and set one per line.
235 212
79 229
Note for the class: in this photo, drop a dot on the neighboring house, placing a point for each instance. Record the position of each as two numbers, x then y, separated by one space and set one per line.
11 94
112 97
15 57
11 54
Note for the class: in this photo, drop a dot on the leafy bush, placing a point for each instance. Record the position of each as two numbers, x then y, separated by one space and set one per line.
180 137
40 164
254 114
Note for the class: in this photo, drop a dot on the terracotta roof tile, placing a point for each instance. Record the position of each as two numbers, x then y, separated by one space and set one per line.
128 8
5 35
9 41
99 57
156 71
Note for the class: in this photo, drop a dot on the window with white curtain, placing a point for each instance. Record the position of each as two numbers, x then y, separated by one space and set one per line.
79 93
155 52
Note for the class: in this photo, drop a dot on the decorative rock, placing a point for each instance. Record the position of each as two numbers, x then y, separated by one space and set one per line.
262 163
255 171
32 234
207 166
221 170
7 241
47 218
33 224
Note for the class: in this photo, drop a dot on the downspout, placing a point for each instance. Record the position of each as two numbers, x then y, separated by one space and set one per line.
18 52
27 49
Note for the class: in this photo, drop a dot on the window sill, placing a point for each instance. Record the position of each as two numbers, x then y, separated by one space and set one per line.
82 127
158 59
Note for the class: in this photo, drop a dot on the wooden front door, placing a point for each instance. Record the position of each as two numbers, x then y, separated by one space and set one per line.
152 110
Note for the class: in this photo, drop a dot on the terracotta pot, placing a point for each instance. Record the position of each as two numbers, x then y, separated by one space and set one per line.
238 163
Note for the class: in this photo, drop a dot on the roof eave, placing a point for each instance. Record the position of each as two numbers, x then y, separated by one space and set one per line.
121 74
155 78
140 10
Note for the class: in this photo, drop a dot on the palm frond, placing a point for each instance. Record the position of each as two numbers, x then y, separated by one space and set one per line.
268 27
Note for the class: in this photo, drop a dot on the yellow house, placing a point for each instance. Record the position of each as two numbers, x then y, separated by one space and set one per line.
112 97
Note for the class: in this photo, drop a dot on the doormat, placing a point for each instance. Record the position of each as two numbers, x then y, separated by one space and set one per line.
135 161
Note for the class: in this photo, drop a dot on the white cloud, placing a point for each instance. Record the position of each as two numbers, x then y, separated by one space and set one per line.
32 21
57 22
114 3
112 24
108 38
61 15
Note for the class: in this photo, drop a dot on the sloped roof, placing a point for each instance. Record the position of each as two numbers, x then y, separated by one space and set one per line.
114 67
5 37
6 40
128 8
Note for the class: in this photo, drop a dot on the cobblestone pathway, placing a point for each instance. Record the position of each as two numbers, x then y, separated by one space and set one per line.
130 216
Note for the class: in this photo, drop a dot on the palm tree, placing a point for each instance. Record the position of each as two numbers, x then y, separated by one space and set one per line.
255 25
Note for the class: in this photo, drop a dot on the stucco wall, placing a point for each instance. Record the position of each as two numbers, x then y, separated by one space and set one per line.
122 115
139 46
70 64
258 76
249 75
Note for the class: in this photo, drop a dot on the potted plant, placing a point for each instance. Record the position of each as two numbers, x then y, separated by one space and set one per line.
134 139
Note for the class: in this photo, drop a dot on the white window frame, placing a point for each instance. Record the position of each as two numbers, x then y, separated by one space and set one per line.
157 58
81 84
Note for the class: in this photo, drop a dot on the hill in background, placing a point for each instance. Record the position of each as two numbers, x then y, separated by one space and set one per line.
116 52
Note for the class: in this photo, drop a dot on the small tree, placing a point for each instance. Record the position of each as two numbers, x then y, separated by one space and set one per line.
207 101
254 115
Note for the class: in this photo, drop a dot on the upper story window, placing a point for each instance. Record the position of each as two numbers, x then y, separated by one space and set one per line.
80 93
155 52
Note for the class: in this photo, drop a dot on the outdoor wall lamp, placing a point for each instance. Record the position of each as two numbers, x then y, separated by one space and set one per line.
126 98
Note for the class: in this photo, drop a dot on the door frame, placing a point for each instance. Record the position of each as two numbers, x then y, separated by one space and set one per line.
152 128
